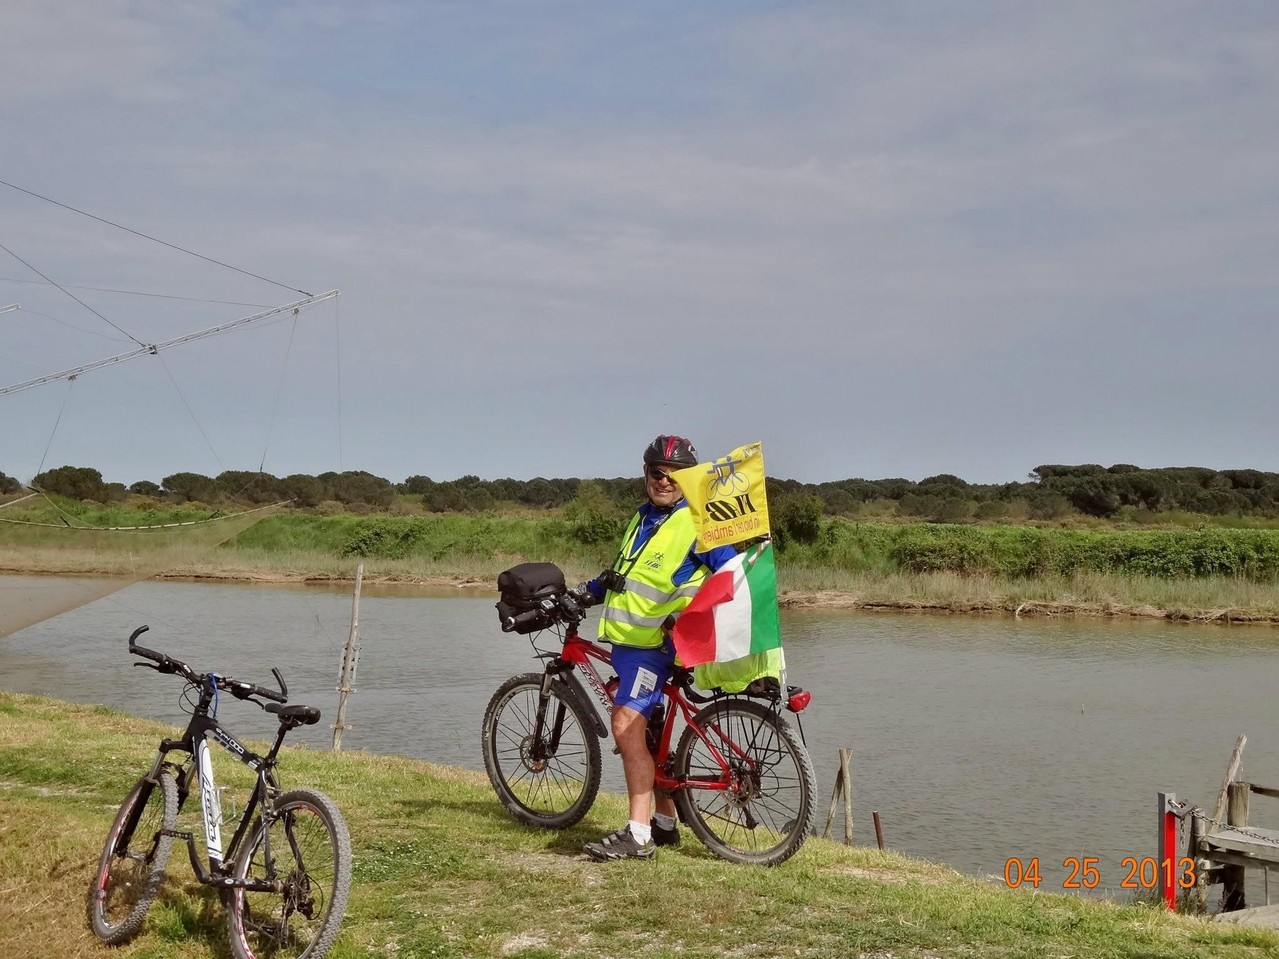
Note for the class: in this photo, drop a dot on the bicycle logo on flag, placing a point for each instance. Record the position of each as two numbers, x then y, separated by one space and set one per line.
726 479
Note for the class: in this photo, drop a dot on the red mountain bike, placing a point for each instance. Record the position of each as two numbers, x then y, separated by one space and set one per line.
741 778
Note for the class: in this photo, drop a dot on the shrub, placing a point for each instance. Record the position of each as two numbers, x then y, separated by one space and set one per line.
387 538
991 509
796 518
952 509
592 516
1045 504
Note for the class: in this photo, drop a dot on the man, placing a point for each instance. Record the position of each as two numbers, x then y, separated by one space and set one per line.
656 573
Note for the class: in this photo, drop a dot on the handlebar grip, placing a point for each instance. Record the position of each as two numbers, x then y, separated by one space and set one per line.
142 651
583 596
283 695
241 689
528 617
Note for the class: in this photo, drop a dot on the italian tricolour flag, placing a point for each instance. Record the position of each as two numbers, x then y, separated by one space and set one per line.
734 614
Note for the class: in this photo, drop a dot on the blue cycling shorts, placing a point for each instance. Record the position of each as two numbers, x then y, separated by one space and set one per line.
641 674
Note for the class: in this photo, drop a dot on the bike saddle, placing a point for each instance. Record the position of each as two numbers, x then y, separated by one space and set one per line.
298 715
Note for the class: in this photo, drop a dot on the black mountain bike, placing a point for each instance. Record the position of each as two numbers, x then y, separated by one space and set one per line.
286 873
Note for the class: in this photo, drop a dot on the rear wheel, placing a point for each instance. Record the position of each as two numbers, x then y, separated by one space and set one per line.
131 867
547 780
304 850
766 812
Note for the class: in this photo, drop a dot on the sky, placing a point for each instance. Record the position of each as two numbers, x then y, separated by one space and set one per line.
886 239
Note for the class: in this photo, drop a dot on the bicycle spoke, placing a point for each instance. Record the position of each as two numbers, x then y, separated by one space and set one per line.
763 807
547 778
302 850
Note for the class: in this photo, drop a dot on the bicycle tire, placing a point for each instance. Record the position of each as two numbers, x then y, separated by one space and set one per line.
767 813
550 791
304 844
131 867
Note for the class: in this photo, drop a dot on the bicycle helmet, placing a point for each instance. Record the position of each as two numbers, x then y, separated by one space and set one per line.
675 450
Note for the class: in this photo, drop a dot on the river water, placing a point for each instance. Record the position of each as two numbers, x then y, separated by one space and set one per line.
976 739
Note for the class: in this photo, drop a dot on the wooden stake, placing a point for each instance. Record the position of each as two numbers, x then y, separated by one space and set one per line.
843 787
350 657
1232 770
845 770
1232 876
834 803
1201 865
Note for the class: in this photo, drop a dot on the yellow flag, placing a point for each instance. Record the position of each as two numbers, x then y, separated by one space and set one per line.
726 497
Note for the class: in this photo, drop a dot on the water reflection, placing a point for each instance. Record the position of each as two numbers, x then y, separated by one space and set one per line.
977 739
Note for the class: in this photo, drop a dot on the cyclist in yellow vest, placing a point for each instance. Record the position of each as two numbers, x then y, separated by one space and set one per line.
656 573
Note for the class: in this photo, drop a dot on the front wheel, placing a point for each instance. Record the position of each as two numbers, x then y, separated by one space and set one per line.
548 779
761 810
303 850
133 859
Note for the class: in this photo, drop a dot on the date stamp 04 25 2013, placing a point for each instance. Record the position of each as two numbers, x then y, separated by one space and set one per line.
1084 872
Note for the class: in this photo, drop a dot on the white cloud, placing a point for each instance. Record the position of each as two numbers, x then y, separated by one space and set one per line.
509 192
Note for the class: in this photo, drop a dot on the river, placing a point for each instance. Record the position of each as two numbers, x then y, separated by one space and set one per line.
976 739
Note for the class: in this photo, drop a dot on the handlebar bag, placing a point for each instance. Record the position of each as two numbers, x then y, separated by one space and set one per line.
523 587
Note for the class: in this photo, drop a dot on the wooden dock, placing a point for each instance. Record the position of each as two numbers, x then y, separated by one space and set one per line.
1225 844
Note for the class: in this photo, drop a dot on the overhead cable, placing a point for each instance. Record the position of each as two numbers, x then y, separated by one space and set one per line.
146 236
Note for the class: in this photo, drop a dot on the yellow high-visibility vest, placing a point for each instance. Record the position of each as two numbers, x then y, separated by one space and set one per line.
634 616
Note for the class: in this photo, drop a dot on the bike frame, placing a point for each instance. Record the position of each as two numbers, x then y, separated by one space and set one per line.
583 654
199 768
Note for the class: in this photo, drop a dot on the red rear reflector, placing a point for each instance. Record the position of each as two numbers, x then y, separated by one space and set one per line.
799 701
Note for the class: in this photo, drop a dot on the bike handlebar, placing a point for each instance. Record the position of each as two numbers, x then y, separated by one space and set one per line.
238 688
566 608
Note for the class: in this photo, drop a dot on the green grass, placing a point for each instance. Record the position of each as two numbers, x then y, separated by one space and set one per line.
442 871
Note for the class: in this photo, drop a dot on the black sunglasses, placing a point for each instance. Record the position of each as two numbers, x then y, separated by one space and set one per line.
655 474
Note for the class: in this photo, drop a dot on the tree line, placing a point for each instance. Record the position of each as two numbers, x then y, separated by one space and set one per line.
1050 491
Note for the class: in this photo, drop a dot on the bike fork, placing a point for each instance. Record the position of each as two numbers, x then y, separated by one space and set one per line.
539 724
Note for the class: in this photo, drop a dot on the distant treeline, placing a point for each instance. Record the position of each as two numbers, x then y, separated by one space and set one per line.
1051 492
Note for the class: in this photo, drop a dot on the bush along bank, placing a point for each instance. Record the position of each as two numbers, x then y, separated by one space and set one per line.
1010 552
1217 573
1014 552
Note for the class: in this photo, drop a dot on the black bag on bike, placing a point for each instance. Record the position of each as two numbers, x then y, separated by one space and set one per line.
523 588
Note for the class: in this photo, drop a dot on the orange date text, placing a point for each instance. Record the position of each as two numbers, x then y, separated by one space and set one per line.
1084 872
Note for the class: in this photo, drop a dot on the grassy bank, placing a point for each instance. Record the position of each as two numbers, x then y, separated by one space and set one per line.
1213 574
442 871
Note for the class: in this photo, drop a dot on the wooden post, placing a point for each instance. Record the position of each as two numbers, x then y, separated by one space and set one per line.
1232 770
846 771
843 787
1201 865
350 658
834 804
1232 876
879 831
